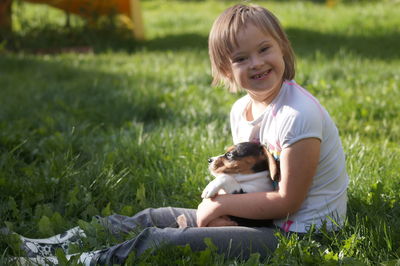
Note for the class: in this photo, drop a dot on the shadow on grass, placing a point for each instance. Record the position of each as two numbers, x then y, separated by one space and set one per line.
51 39
305 42
55 95
59 94
177 42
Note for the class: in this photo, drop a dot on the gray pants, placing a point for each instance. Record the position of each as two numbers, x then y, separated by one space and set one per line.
158 227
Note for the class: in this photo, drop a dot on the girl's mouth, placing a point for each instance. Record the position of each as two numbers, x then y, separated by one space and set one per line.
261 75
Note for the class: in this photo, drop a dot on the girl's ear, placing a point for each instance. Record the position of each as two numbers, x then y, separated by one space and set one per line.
228 72
229 75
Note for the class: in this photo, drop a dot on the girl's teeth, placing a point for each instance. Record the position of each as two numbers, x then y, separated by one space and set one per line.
259 76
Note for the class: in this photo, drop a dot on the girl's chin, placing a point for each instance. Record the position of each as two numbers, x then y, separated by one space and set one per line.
262 93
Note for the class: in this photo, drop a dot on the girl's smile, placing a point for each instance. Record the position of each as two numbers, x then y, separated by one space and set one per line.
261 75
257 63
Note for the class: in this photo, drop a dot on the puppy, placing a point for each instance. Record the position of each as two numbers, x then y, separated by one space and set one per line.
245 167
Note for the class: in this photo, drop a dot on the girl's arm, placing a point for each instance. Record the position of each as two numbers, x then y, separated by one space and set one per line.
298 166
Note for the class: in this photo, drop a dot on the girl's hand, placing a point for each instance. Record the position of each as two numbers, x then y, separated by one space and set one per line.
208 210
222 221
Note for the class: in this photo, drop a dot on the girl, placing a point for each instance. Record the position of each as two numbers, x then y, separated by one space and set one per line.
249 50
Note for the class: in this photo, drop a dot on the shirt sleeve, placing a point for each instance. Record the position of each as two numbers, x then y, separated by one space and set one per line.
301 125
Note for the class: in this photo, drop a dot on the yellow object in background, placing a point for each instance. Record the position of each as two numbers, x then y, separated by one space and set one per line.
331 3
95 8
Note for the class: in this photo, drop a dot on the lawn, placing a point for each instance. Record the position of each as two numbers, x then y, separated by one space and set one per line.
132 124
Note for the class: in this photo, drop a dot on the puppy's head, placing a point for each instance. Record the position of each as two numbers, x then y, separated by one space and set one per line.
244 158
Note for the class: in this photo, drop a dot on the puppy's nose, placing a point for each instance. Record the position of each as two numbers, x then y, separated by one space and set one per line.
210 160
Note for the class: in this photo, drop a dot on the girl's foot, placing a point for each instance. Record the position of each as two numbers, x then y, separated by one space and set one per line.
86 258
46 247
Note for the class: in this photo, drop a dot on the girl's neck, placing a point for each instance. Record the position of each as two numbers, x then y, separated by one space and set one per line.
255 110
259 102
264 97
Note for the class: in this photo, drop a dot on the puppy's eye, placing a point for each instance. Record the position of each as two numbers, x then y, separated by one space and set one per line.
229 155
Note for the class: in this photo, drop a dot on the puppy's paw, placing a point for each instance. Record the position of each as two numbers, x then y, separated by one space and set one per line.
225 182
211 189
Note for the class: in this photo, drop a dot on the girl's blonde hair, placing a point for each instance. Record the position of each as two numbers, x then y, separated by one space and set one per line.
222 40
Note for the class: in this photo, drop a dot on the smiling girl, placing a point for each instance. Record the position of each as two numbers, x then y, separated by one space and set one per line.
250 51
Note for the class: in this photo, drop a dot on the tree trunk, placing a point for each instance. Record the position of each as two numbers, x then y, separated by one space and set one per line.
5 18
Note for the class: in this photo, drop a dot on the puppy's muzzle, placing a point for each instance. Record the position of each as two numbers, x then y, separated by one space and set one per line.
214 163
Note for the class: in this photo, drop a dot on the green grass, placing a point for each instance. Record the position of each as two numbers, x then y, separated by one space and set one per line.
132 125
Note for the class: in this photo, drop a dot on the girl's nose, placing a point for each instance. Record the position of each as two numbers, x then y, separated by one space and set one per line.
256 62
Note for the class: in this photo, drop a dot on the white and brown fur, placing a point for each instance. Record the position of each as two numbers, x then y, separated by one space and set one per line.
244 168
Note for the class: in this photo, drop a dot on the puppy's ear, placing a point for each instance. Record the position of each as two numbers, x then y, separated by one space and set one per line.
273 165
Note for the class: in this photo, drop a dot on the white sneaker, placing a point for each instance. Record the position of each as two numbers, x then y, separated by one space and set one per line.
85 258
42 261
45 247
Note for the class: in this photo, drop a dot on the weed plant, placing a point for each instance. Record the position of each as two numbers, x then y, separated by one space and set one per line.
132 124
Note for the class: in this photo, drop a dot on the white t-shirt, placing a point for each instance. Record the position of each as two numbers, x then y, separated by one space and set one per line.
292 116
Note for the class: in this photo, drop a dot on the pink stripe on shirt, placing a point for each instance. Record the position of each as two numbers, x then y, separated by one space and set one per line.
306 93
286 226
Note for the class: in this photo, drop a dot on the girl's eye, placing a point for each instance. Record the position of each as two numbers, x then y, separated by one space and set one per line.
238 59
264 49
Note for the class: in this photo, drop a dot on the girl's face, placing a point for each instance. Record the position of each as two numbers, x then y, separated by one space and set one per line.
257 63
